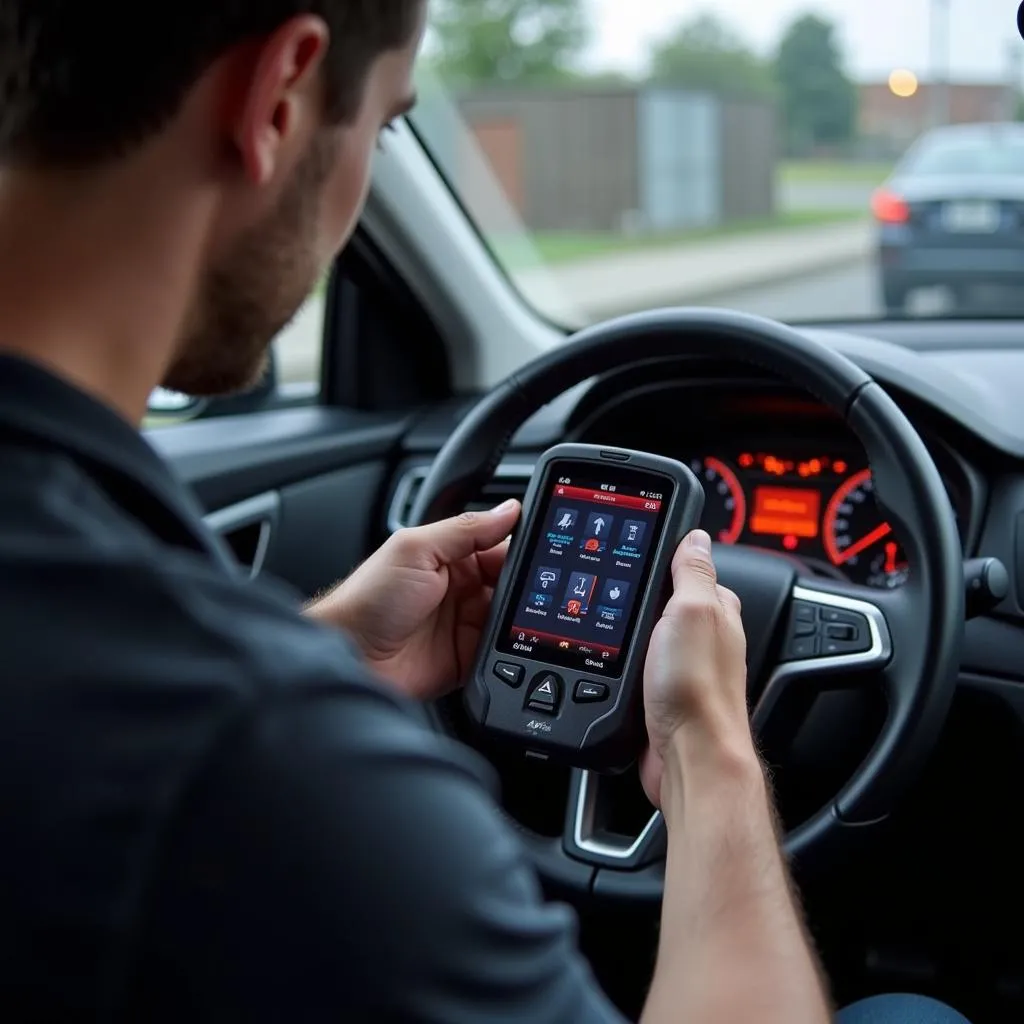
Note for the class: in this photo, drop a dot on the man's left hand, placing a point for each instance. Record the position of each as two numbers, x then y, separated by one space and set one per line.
418 606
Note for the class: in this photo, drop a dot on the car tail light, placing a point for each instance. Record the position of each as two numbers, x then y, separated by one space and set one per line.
889 208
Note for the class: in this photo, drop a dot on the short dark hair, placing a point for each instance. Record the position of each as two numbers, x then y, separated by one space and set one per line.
82 81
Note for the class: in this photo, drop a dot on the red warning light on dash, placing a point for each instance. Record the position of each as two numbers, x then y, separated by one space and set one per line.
608 498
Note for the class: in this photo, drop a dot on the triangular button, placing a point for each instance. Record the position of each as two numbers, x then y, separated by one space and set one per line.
546 687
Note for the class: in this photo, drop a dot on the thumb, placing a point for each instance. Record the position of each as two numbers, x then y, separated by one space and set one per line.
452 540
692 568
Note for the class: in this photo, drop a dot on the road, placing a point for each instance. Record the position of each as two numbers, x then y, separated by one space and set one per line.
848 293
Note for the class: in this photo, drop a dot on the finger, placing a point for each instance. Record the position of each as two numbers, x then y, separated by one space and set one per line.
452 540
491 563
651 769
729 599
693 571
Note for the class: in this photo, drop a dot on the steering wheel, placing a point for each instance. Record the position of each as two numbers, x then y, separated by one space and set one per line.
906 639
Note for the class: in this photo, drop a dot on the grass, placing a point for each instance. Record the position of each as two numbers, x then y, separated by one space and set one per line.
555 247
834 172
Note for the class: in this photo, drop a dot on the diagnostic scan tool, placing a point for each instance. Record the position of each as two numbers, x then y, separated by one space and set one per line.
561 668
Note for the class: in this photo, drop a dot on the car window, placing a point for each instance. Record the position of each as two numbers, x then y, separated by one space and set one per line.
298 348
618 155
986 155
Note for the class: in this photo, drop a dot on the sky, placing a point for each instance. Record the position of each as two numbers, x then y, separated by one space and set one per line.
876 35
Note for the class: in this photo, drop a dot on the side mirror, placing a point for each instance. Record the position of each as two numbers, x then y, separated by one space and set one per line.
172 406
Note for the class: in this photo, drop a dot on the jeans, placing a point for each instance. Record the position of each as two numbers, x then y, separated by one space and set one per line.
900 1009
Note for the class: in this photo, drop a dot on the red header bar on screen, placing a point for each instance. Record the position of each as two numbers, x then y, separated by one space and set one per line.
611 498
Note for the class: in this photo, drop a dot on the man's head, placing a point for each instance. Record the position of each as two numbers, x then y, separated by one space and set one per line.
269 110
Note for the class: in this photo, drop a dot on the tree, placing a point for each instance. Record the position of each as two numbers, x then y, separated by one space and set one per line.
818 100
509 41
706 53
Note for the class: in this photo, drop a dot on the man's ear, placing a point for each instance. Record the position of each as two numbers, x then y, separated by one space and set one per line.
278 102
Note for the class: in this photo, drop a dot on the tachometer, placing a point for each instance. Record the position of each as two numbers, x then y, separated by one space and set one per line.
725 507
857 541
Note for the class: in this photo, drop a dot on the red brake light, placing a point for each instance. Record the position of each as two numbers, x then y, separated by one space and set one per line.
889 208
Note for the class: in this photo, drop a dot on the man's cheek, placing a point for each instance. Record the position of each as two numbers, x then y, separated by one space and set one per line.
346 197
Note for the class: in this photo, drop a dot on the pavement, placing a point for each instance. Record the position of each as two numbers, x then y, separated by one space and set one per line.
617 283
756 271
825 195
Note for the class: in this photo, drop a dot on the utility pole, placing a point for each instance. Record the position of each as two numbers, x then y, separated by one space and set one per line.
940 60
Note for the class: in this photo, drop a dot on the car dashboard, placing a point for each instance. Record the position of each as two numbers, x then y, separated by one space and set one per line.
780 472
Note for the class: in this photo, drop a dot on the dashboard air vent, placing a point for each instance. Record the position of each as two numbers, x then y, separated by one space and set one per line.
509 481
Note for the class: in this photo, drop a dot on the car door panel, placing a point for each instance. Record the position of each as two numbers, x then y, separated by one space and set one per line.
297 493
328 525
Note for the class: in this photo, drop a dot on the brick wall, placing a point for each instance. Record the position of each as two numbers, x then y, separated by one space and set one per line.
884 115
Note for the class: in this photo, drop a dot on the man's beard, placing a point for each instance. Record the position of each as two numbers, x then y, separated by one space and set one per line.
255 290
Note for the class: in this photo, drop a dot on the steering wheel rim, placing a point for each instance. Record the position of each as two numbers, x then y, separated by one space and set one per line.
916 631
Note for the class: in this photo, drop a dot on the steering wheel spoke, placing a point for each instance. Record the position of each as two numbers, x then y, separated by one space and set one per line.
831 636
596 831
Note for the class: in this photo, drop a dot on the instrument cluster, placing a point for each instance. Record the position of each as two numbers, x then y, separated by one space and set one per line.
816 505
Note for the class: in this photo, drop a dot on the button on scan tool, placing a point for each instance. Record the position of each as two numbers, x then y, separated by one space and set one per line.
509 673
545 693
590 693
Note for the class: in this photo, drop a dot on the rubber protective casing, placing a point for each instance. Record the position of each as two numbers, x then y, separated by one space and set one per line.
601 737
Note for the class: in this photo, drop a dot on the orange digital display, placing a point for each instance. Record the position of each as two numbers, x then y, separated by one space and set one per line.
786 511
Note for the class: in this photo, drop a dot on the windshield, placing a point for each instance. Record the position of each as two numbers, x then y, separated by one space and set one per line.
622 154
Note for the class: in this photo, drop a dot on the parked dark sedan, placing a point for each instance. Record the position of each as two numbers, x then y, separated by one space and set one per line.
952 214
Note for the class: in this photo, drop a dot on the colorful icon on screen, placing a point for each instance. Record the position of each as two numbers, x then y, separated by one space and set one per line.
632 537
565 520
579 593
547 579
599 528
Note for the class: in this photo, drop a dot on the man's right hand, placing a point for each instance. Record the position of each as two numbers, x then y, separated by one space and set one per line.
733 946
695 681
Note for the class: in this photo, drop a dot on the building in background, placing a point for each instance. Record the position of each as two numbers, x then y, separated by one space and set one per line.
893 122
635 160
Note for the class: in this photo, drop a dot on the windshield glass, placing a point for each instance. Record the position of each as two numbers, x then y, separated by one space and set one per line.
622 154
987 153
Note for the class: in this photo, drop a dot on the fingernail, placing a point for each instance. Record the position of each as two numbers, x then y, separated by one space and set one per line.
701 541
505 506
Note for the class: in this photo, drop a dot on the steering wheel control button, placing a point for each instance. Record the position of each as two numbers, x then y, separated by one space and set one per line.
805 612
850 633
802 648
821 631
545 693
590 693
511 675
846 631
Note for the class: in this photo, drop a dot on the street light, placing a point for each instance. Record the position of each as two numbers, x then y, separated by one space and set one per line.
903 83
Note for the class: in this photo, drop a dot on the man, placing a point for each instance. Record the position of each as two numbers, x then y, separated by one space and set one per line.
214 807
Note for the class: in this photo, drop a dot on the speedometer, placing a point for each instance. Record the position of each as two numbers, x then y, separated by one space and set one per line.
857 541
725 503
